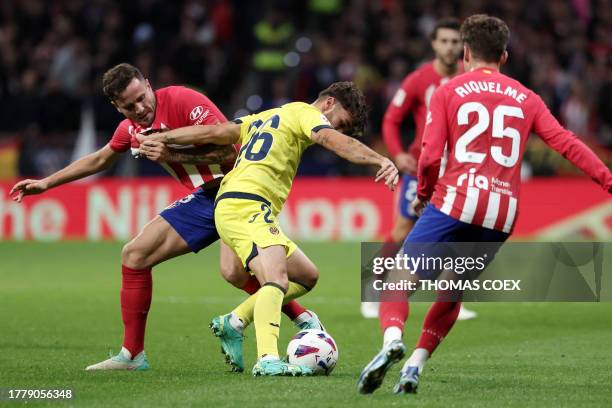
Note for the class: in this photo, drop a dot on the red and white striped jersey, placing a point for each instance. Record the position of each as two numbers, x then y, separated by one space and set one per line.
485 118
176 107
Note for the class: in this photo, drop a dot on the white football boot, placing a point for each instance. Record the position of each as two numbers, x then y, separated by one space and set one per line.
122 361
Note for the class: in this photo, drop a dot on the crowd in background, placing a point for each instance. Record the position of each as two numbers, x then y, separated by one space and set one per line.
251 55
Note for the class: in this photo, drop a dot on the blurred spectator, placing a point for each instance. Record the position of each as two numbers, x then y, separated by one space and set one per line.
249 56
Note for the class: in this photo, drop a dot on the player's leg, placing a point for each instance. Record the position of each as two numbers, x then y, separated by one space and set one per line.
431 227
233 272
184 226
270 267
393 314
444 312
157 242
248 227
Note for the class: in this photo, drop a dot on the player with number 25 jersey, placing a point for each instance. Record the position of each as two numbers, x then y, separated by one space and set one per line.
486 118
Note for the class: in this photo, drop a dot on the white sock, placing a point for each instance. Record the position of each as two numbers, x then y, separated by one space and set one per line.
302 317
269 357
236 323
391 333
126 353
417 359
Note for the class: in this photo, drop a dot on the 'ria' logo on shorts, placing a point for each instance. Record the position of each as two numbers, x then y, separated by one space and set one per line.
196 112
473 180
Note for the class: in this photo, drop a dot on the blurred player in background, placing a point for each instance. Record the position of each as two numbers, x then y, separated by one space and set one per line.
253 193
185 226
413 96
484 118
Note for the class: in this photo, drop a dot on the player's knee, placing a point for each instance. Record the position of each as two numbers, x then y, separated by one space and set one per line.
133 256
311 277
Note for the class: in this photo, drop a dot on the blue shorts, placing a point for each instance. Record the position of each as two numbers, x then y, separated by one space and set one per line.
407 195
193 218
433 226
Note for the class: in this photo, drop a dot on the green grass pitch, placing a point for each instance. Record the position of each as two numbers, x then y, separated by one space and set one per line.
59 312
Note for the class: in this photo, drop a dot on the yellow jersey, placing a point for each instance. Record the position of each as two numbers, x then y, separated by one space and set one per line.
272 145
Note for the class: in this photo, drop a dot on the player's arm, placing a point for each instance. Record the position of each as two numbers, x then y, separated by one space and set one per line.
207 154
356 152
85 166
570 146
396 112
221 134
434 139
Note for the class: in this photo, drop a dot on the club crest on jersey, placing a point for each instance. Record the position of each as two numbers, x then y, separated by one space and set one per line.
473 180
274 231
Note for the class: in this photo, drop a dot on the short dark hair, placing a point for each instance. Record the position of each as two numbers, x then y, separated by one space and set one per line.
449 22
116 79
352 99
485 36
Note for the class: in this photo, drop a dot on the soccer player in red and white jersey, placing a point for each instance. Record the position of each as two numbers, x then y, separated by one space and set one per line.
185 226
484 118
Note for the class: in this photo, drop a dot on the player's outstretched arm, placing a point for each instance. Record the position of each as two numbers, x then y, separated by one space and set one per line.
571 147
85 166
356 152
219 134
207 154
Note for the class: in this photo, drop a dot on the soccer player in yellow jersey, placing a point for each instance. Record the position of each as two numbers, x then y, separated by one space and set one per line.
253 193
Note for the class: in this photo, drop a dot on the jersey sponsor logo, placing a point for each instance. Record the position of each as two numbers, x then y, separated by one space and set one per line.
473 180
204 115
197 112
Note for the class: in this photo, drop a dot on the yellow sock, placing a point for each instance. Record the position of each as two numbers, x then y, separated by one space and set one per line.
294 291
267 319
245 310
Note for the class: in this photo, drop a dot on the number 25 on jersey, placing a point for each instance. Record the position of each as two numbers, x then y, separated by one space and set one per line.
463 155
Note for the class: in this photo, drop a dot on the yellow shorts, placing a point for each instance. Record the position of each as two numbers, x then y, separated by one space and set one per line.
244 224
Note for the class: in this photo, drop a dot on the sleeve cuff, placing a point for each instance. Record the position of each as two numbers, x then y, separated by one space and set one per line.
237 121
317 128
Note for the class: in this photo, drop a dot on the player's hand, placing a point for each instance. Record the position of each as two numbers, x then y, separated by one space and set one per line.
27 187
153 136
418 205
406 163
389 173
154 150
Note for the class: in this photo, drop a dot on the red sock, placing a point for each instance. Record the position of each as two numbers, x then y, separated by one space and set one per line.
136 292
393 314
439 320
292 309
393 308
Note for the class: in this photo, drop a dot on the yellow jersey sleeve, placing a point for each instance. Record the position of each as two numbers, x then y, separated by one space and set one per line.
312 120
245 123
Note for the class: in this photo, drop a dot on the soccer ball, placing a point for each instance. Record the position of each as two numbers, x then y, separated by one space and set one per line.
314 349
